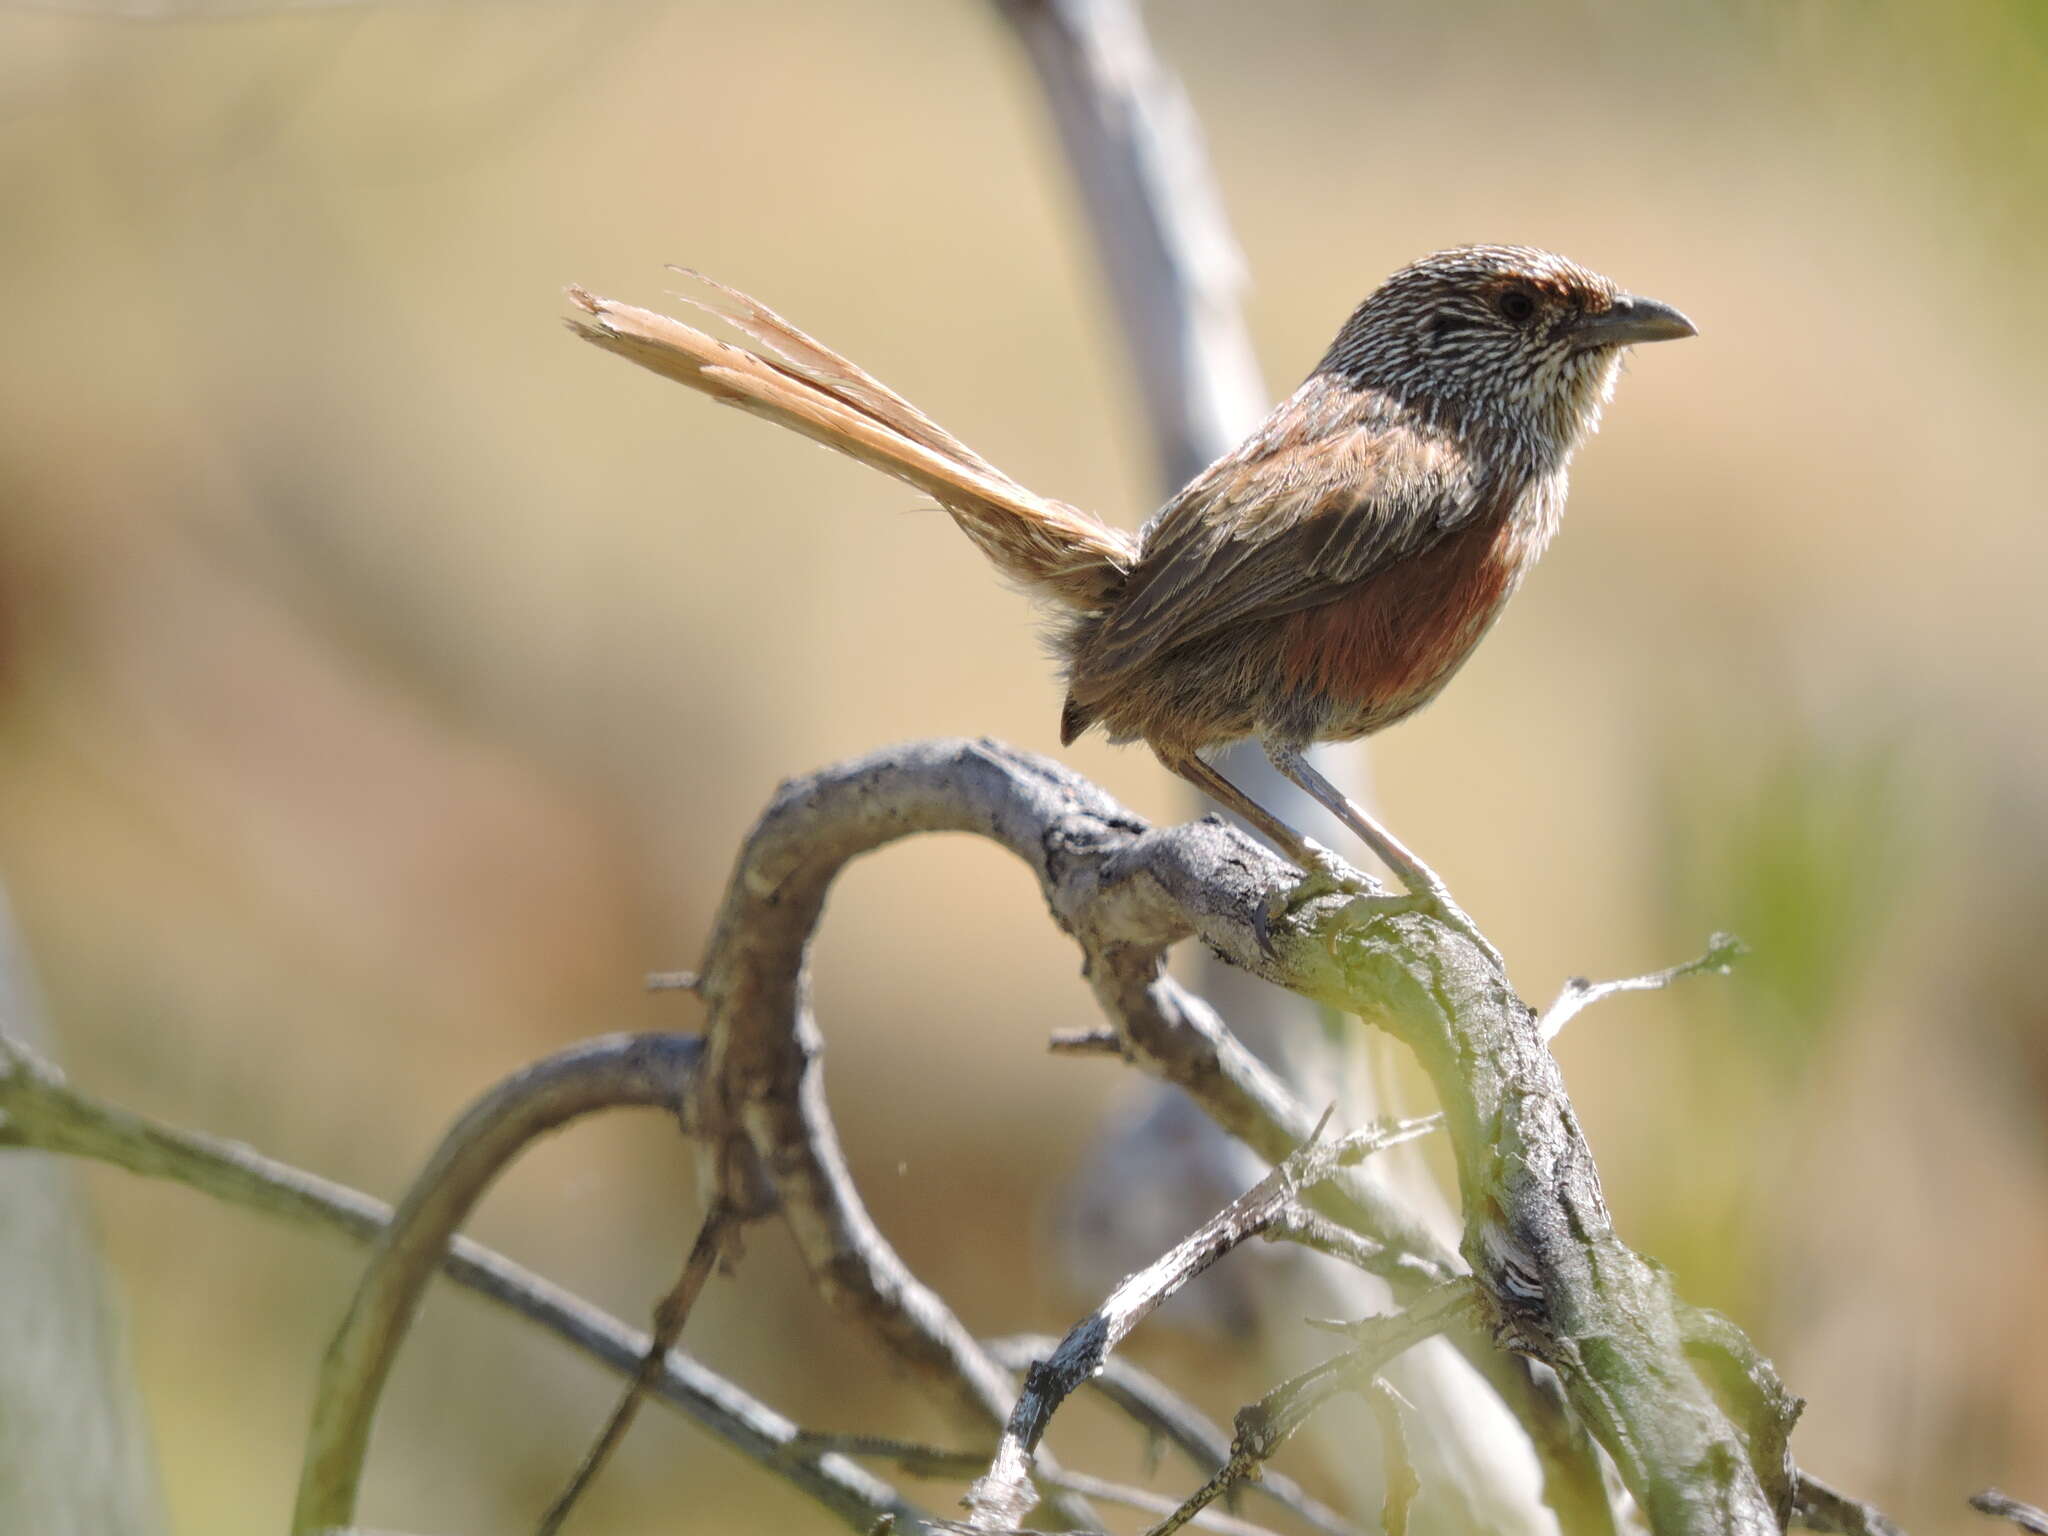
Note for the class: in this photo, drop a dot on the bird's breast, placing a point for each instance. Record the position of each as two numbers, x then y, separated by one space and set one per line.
1384 649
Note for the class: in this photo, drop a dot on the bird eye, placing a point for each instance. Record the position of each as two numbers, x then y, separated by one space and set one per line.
1516 305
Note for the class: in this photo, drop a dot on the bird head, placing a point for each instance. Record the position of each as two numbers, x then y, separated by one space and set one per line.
1512 348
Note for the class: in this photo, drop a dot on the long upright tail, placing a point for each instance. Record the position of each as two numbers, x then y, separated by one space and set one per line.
1055 550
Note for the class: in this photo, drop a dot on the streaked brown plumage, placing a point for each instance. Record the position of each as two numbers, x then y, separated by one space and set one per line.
1320 582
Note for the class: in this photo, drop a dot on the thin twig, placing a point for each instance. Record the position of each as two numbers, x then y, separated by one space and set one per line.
911 1457
2004 1507
1002 1497
1723 950
1750 1391
1267 1424
669 1318
1164 1415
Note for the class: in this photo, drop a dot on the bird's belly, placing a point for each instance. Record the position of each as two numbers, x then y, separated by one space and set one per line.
1386 648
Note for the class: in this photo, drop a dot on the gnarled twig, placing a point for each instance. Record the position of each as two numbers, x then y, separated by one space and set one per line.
1164 1414
1002 1498
1723 949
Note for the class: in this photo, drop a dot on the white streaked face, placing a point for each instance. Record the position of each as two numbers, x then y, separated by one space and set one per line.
1507 344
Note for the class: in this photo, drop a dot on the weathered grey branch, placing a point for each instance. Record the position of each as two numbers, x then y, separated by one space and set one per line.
761 1098
1178 1038
645 1072
1561 1286
39 1110
1002 1498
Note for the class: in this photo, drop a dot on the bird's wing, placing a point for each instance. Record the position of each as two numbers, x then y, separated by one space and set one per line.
1326 496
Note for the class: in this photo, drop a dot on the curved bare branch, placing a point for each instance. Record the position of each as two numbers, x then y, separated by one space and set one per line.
652 1071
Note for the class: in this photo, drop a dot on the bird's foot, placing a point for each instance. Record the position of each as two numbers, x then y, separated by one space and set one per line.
1327 875
1324 874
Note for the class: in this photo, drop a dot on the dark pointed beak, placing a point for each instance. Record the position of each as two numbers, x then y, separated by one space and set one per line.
1633 319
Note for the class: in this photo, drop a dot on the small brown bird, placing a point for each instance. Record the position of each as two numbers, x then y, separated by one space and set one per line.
1320 582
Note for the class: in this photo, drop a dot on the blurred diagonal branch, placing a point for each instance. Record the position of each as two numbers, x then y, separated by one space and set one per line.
1135 147
42 1111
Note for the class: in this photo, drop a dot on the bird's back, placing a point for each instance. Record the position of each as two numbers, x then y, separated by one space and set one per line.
1320 581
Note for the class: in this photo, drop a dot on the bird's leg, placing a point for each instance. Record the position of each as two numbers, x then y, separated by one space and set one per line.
1326 873
1422 882
1417 876
1313 858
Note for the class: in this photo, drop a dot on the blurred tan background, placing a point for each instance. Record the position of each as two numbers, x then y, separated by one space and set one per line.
385 677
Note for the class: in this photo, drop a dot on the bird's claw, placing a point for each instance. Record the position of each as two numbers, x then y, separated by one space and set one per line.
1324 874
